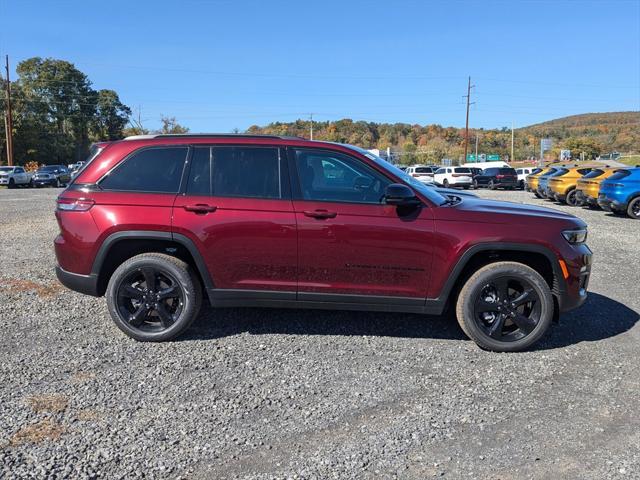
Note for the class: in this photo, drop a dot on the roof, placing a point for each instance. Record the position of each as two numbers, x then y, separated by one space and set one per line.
208 135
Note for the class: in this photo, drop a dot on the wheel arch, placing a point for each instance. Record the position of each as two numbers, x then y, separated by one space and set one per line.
538 257
120 246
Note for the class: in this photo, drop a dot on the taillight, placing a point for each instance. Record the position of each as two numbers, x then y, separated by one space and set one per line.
499 176
75 204
415 174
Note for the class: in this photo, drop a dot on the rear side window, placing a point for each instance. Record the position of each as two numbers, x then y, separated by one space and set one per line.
620 174
491 171
155 170
594 173
520 171
247 172
560 172
584 171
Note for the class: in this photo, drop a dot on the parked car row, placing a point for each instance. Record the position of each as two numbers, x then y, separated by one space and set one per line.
50 175
615 190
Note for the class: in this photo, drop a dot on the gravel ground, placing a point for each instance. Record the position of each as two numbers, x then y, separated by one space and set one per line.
251 393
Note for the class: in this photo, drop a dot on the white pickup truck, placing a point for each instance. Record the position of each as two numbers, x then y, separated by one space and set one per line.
14 177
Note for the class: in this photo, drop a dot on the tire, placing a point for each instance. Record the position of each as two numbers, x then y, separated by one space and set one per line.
633 209
475 184
166 318
492 186
521 184
58 183
31 184
572 198
12 183
535 314
466 187
445 183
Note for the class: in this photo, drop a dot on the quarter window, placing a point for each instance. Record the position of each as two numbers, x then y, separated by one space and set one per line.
150 170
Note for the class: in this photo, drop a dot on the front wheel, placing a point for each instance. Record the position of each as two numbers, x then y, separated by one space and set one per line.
153 297
505 307
633 210
475 184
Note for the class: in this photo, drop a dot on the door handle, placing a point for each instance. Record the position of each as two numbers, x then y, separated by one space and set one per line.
320 213
200 208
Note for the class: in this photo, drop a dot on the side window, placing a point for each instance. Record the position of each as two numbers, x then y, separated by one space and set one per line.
150 170
440 171
334 177
246 172
520 171
19 170
199 182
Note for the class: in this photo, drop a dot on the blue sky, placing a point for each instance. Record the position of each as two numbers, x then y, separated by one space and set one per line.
221 64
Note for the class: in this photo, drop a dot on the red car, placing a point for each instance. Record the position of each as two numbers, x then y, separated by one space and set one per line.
156 223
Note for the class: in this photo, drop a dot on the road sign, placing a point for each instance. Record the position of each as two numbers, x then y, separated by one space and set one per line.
545 144
471 157
493 158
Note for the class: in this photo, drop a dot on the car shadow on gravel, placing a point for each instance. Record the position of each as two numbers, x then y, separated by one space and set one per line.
217 323
599 318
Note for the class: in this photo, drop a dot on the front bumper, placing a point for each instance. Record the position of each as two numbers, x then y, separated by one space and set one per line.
572 291
87 284
44 181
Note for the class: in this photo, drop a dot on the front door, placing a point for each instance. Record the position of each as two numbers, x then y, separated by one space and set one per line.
349 241
236 208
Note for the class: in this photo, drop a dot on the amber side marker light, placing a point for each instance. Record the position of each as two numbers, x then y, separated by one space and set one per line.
563 267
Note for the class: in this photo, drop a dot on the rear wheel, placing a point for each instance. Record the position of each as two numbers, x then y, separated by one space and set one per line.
633 210
492 186
475 184
505 307
572 198
445 183
153 297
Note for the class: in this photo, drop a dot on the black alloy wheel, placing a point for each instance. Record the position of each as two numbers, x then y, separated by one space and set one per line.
154 297
633 210
505 306
150 299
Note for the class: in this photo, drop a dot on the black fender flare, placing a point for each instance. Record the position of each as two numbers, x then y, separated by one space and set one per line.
502 247
184 241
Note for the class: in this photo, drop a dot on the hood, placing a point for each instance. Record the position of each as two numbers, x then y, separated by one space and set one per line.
495 211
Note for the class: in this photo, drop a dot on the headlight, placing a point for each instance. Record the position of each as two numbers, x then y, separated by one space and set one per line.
575 236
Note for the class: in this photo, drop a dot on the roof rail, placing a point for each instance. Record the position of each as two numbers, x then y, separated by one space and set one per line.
200 135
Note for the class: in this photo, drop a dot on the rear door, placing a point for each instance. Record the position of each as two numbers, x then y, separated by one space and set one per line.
236 208
350 242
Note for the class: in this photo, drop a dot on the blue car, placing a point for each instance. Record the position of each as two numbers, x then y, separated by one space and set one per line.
620 193
543 181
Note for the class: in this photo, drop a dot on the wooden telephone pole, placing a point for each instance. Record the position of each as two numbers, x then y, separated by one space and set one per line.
8 119
466 128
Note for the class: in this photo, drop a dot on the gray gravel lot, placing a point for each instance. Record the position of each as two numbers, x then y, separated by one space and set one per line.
251 393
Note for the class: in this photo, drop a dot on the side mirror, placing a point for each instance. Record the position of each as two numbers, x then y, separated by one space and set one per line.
400 195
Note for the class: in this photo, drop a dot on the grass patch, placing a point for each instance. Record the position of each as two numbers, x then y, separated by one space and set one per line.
38 432
631 160
53 403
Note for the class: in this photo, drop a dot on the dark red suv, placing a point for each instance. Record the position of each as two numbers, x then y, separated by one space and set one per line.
156 222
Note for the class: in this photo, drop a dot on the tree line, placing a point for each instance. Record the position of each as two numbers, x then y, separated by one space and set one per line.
57 114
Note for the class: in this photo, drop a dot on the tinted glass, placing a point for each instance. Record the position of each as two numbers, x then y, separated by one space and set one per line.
441 170
619 175
520 171
334 177
560 172
490 171
423 170
199 182
507 171
462 170
19 170
246 172
149 170
596 172
584 171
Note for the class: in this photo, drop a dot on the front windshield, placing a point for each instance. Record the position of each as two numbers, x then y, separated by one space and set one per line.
6 169
430 193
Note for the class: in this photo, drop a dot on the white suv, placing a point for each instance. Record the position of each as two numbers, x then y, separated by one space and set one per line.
421 173
523 173
453 177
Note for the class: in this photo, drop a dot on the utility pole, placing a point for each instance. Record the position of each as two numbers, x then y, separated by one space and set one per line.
476 147
311 120
512 157
466 128
8 117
